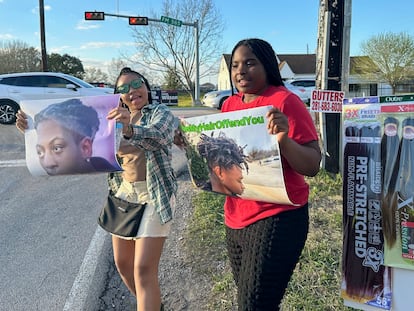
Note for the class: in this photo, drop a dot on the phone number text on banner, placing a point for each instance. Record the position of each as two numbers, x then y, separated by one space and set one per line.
327 101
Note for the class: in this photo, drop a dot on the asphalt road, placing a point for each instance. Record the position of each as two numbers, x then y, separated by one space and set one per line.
46 225
50 245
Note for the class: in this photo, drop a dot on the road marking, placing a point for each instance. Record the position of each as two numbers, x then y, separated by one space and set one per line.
12 163
80 288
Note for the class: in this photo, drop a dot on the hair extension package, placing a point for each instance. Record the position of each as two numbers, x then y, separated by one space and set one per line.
378 189
398 171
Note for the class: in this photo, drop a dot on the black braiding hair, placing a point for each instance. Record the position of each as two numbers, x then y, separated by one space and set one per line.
72 114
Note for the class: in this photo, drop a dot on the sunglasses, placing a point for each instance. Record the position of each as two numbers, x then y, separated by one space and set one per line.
135 84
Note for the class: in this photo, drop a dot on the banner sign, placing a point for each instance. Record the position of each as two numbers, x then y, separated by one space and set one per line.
327 101
232 153
169 98
70 135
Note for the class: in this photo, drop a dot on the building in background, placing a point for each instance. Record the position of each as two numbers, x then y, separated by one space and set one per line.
303 66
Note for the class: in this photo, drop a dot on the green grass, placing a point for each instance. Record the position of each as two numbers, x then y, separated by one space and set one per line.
184 100
315 284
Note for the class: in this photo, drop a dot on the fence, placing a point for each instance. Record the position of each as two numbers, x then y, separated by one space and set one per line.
378 89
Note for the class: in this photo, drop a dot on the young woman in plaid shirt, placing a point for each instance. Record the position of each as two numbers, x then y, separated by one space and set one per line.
148 177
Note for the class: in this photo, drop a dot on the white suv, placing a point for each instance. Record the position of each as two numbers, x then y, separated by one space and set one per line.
307 84
15 87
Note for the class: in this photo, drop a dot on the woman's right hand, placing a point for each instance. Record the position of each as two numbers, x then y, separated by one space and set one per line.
179 139
21 121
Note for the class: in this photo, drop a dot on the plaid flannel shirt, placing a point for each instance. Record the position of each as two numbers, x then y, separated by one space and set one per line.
155 135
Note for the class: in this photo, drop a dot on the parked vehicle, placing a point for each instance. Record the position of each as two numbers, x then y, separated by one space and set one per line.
100 84
307 84
300 91
303 82
271 162
40 85
215 99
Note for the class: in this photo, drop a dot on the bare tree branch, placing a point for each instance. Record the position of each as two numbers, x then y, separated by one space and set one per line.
390 58
17 56
167 48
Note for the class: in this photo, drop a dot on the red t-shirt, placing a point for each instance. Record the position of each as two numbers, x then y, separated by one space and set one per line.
239 213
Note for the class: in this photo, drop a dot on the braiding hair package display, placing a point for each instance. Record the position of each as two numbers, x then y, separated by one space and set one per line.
365 279
397 149
378 204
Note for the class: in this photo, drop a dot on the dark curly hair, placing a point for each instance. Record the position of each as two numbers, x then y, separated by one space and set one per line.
221 151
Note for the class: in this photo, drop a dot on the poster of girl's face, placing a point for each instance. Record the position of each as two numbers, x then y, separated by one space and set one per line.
232 153
70 135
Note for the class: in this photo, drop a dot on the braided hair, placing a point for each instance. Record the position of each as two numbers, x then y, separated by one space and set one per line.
72 114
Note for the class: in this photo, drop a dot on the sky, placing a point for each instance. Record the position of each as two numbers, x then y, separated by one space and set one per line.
290 26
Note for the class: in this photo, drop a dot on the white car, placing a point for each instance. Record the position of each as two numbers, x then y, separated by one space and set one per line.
15 87
215 99
300 91
307 84
271 162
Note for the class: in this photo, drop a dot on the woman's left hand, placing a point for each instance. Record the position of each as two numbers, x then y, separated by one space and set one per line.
277 123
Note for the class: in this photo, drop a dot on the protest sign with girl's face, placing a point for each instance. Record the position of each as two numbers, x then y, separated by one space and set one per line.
70 136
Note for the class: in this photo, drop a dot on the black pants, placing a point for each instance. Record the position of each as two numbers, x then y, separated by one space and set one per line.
263 257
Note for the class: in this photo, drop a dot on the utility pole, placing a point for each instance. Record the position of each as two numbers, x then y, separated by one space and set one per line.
197 57
346 46
321 67
332 70
42 35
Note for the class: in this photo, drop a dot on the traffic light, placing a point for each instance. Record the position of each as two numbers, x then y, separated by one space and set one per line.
138 20
94 16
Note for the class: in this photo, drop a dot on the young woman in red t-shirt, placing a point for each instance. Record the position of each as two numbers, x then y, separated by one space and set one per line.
265 240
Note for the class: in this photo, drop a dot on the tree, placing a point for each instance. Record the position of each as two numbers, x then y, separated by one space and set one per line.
172 82
93 74
66 64
392 55
167 48
117 64
17 56
115 67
